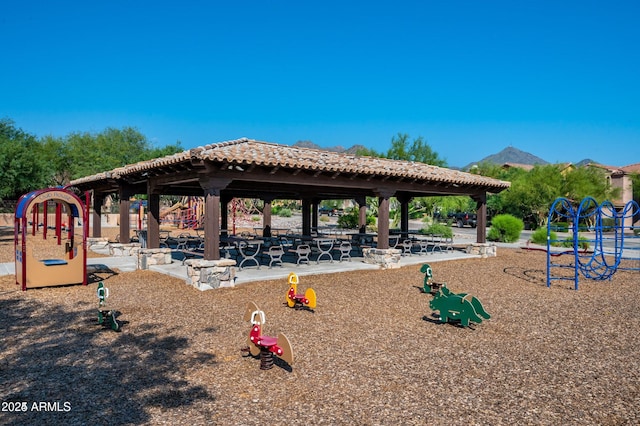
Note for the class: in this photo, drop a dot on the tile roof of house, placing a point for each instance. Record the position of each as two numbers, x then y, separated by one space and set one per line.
632 168
251 152
526 167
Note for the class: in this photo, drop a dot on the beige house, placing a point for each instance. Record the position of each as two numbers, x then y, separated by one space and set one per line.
620 177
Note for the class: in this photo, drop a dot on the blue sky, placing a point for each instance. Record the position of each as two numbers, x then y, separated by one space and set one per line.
558 79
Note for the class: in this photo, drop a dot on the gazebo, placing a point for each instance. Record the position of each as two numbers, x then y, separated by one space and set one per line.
246 168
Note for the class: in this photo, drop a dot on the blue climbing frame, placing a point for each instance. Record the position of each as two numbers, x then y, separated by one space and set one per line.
607 248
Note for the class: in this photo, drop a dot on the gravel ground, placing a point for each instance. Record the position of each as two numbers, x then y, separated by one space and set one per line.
372 353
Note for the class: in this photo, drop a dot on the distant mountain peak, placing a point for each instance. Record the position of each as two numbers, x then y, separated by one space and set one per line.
511 155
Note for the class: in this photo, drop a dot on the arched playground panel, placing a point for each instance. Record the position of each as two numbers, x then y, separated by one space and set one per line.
608 245
34 268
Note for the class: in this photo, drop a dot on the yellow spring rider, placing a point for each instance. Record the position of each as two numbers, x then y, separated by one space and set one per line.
299 300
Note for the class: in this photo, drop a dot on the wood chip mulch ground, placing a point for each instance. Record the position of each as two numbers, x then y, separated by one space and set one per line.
371 353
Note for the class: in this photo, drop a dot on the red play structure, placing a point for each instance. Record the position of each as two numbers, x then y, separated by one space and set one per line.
34 270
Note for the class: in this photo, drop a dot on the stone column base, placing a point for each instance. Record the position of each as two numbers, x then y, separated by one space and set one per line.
385 258
482 249
210 274
119 249
97 243
156 256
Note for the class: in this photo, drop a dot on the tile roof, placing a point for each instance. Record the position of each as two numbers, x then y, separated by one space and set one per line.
251 152
632 168
526 167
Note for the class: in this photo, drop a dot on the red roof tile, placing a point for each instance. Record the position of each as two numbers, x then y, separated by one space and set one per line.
251 152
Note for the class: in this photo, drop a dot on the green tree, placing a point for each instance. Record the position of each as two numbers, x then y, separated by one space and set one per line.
56 154
531 194
367 152
158 152
84 155
497 203
588 182
635 181
112 148
22 166
27 163
419 151
490 170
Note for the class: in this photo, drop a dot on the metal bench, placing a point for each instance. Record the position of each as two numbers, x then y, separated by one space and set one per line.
275 254
303 251
345 250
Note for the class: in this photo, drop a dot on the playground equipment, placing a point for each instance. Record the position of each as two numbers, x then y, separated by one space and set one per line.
33 270
186 214
106 316
462 307
429 286
299 300
265 346
607 224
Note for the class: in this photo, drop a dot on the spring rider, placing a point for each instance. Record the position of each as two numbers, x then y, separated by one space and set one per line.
462 307
265 346
429 285
298 300
106 317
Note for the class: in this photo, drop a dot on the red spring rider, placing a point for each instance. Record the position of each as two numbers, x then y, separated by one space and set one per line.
265 346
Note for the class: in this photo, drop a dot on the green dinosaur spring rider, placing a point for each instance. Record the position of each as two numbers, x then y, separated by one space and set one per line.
429 286
458 307
462 307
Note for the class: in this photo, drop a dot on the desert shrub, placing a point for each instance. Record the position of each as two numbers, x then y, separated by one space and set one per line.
284 212
505 228
349 220
539 236
438 228
583 243
608 224
559 226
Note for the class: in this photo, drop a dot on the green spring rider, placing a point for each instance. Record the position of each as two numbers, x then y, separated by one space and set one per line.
106 317
460 308
429 285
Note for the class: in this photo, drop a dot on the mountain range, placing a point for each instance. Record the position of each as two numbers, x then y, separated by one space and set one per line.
507 155
514 155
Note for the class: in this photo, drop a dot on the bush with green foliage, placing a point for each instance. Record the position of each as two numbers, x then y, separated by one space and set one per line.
539 236
438 229
583 243
505 228
608 224
560 226
284 212
349 220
